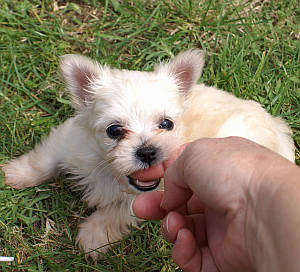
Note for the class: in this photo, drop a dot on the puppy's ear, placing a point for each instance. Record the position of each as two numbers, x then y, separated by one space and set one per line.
79 73
186 68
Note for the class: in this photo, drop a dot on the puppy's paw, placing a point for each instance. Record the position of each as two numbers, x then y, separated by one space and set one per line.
94 239
19 173
103 228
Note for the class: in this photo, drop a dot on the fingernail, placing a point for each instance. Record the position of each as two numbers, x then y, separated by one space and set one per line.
165 230
165 225
131 208
163 204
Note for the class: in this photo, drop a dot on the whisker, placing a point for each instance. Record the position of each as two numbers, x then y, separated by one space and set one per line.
117 178
100 164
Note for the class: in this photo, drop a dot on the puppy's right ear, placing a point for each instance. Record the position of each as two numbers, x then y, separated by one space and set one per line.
79 73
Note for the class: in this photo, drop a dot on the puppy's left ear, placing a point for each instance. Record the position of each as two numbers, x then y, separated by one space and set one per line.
186 68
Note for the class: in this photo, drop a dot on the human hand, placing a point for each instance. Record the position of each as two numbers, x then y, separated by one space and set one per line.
209 204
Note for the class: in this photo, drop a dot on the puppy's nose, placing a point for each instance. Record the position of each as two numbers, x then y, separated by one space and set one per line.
147 154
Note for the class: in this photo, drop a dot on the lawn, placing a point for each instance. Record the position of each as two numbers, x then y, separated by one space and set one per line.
252 50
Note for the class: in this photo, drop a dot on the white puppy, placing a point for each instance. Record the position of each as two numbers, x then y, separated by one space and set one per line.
128 121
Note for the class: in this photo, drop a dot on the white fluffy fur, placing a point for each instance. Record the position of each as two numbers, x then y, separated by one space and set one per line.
138 101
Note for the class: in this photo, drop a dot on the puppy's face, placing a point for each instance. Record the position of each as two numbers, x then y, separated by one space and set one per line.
134 116
137 123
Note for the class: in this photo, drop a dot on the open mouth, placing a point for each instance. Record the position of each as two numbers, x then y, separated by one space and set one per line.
144 185
147 179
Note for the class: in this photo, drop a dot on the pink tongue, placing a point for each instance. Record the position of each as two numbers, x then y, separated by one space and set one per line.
149 174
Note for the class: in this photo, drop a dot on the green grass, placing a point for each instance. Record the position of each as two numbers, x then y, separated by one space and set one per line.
252 51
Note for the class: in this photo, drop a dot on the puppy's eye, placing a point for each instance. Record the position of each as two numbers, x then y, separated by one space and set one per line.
166 124
115 131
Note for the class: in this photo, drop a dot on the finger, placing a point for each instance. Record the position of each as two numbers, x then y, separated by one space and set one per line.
185 252
177 191
195 205
175 221
208 263
204 168
199 228
147 206
174 156
182 210
171 224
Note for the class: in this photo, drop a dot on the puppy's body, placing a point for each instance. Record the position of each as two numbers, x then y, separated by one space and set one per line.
223 115
128 121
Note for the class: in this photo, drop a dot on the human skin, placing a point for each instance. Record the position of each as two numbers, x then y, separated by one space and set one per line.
229 205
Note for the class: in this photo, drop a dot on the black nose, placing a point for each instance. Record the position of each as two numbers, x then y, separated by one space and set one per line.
147 154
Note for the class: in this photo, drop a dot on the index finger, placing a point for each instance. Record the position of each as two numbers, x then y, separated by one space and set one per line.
176 191
194 172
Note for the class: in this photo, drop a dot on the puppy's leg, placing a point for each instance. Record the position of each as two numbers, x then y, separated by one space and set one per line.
103 227
39 164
